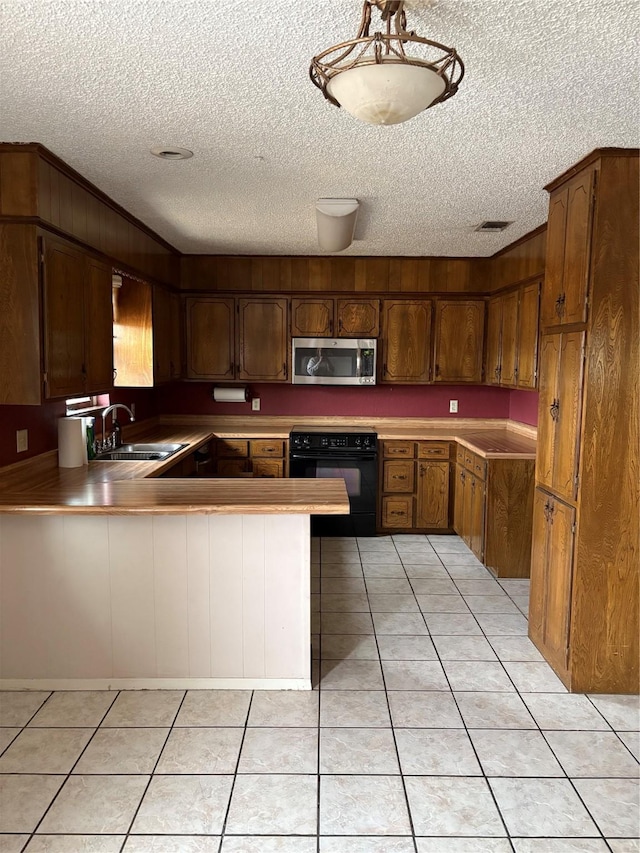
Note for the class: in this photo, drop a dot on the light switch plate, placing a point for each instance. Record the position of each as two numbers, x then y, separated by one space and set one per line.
22 440
255 404
453 407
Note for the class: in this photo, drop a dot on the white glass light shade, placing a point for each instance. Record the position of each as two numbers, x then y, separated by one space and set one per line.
386 93
336 221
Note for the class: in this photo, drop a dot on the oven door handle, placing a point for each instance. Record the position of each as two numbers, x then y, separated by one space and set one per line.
314 457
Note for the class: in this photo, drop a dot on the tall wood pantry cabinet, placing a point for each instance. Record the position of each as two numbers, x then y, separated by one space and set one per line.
586 549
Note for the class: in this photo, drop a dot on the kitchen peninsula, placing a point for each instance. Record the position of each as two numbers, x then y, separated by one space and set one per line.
114 577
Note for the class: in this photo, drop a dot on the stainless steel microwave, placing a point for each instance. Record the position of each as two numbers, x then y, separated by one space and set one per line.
334 361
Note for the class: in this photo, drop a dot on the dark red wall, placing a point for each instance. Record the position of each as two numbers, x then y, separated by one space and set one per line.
410 401
523 407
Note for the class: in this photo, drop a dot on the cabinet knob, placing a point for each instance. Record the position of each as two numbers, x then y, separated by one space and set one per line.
554 409
560 305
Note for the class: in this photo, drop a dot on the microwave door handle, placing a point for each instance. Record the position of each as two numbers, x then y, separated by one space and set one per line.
359 363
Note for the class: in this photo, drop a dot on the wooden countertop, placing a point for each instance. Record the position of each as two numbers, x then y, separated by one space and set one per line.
183 497
39 486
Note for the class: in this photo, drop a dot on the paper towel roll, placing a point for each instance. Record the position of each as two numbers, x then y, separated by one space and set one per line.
230 395
71 442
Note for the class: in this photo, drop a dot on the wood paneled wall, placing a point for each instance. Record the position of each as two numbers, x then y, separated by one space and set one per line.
522 260
379 274
36 184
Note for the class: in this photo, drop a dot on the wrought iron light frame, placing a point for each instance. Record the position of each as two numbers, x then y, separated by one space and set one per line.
386 47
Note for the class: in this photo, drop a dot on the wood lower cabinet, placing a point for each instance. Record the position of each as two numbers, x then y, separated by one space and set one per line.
78 321
406 340
551 577
561 369
343 318
492 510
459 337
584 612
256 456
414 477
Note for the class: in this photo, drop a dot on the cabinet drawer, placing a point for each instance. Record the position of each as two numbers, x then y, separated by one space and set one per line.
479 467
267 448
397 449
231 467
397 476
228 449
433 450
397 512
460 452
267 467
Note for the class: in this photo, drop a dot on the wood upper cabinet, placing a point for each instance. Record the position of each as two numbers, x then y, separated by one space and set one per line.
569 230
508 340
147 334
99 325
560 405
406 340
552 577
312 318
494 333
177 327
432 504
245 339
527 337
502 339
357 318
77 322
210 337
459 336
344 318
162 327
263 353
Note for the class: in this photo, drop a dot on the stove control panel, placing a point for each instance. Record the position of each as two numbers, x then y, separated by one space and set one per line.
363 442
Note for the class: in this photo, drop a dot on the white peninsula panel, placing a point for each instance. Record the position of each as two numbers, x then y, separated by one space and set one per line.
155 601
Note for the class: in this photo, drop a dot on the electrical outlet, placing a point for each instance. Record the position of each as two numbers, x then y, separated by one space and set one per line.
453 407
22 440
255 404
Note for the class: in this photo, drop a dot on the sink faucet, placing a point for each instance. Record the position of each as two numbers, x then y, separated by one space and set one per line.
116 438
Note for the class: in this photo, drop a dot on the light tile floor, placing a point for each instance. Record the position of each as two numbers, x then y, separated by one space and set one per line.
435 727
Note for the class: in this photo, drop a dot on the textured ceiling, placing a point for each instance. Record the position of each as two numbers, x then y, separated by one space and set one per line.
100 83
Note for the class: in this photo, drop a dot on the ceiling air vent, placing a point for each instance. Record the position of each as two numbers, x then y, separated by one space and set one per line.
493 226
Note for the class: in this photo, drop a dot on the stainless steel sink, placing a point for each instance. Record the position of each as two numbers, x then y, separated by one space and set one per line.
140 453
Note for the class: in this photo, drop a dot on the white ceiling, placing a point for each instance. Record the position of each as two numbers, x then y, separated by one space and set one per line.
100 83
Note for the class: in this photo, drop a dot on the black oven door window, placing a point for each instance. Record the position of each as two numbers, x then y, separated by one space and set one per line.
358 474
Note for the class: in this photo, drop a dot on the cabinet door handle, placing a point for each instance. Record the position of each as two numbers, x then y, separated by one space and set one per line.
396 512
284 367
340 324
437 370
462 476
497 372
560 305
554 409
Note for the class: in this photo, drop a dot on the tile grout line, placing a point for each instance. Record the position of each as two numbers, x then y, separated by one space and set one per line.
68 774
235 773
153 770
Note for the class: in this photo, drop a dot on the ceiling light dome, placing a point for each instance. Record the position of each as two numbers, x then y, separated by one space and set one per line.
375 80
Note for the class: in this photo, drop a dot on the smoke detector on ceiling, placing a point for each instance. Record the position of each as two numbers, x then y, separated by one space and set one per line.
493 225
167 153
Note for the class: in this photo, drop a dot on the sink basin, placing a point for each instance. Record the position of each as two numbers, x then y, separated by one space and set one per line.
140 452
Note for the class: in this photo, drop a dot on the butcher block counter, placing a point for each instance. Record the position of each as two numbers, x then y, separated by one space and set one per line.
133 487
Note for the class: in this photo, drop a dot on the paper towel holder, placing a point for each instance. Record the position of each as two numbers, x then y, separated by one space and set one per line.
230 394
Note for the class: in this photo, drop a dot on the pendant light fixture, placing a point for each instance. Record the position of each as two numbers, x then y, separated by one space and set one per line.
373 77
